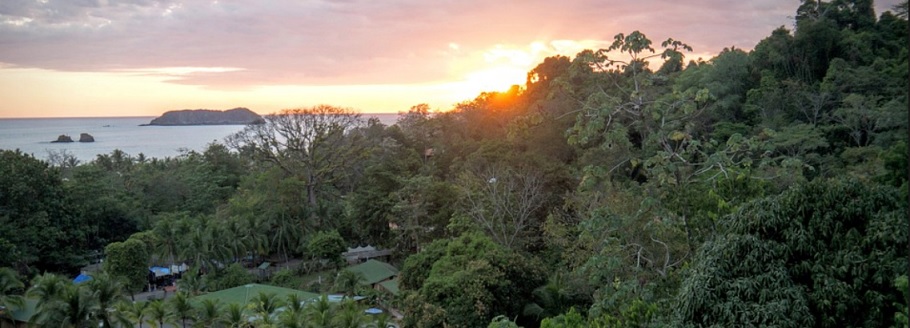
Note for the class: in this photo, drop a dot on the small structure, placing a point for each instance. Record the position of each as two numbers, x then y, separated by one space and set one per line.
375 272
264 270
363 253
160 276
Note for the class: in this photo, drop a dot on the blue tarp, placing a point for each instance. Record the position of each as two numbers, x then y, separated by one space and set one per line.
372 311
160 271
82 278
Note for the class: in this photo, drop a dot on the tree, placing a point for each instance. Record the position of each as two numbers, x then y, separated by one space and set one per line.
38 233
108 292
823 254
315 145
349 282
10 292
159 314
128 261
319 314
181 307
208 313
234 316
473 279
73 306
326 245
503 202
47 287
348 314
131 313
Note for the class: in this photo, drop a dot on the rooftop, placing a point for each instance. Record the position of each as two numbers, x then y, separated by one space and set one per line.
374 271
242 294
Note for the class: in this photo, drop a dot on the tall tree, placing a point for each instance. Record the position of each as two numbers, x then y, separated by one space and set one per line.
181 308
503 202
128 261
108 292
38 233
315 145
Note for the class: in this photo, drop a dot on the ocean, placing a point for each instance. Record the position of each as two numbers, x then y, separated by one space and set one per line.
34 136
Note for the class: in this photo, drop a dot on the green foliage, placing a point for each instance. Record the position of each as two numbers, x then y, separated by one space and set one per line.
821 255
10 292
476 279
571 319
632 186
326 245
128 261
502 322
39 233
232 276
902 316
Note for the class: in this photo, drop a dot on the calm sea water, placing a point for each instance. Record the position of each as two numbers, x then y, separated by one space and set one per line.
34 136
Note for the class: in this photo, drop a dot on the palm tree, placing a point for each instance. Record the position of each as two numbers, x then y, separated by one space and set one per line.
209 313
233 236
158 314
292 316
550 299
320 313
285 233
131 313
264 305
349 315
234 316
107 292
167 235
9 285
255 235
349 282
181 307
191 282
382 321
74 306
47 287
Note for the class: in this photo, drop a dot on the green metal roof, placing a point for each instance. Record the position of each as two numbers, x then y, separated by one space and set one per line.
374 271
242 294
391 286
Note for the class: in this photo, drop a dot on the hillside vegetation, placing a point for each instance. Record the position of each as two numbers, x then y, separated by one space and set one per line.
631 186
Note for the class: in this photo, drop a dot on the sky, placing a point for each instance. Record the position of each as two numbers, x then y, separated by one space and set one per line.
91 58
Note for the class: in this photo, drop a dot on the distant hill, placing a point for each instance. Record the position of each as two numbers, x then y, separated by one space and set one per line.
238 115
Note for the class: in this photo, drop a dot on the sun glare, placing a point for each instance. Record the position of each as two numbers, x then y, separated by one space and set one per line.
499 78
500 67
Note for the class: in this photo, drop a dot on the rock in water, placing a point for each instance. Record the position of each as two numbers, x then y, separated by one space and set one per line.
85 137
63 138
208 117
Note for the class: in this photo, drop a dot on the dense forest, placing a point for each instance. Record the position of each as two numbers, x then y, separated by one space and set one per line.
630 186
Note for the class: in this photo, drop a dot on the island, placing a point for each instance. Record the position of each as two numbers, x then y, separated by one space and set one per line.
234 116
63 138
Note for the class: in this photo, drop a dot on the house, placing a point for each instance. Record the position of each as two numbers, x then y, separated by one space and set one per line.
375 272
363 253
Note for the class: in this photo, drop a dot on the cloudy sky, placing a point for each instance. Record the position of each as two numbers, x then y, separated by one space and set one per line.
67 58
